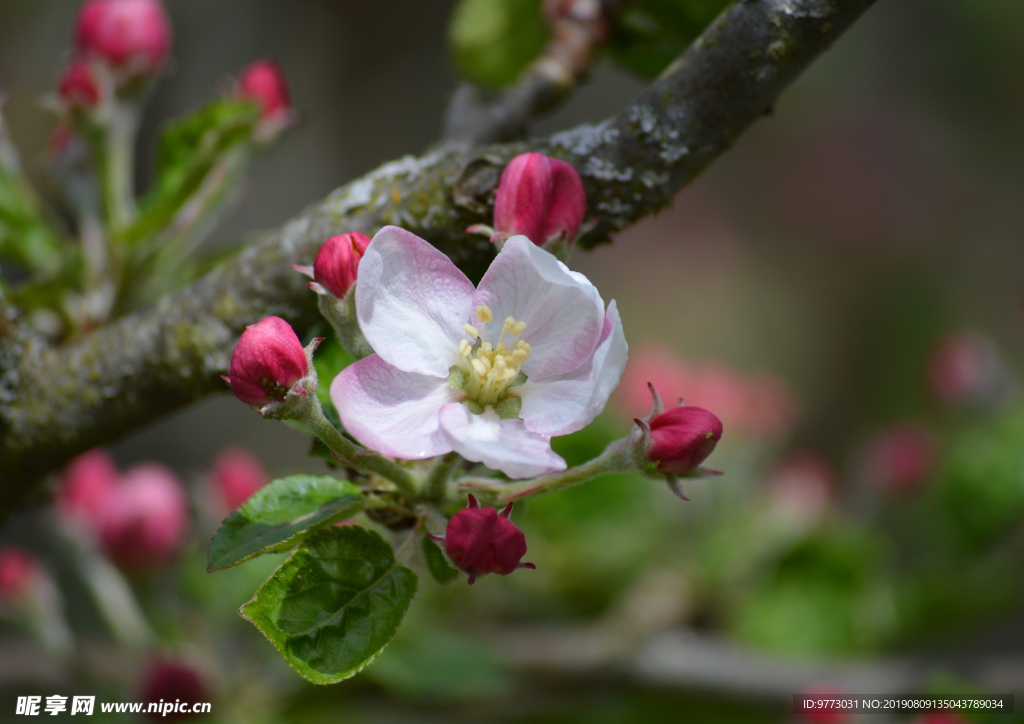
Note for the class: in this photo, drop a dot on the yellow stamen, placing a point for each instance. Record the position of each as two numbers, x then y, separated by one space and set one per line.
471 331
484 314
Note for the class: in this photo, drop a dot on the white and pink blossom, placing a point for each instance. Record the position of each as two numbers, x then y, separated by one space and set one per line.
492 373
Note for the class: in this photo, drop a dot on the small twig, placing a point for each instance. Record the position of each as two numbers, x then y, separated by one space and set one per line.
578 29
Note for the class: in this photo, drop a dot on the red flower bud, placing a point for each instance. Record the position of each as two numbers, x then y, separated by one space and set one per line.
146 517
681 438
337 263
264 82
541 198
88 481
17 568
482 540
78 87
171 682
237 474
125 32
268 361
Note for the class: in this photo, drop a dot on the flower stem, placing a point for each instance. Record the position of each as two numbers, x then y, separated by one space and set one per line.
118 164
616 458
437 479
356 456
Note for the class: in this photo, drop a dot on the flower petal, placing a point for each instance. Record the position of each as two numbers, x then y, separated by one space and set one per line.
391 411
411 302
567 403
562 310
504 445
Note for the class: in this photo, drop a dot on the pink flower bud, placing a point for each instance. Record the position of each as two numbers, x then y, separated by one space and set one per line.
146 518
337 263
78 87
268 362
17 569
135 33
901 458
237 474
171 682
482 540
681 439
88 482
264 82
541 198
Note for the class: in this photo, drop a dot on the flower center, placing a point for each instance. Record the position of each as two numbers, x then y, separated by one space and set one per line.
488 370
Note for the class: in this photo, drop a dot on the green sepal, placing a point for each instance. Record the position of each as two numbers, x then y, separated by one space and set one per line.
456 378
437 563
508 409
280 514
334 605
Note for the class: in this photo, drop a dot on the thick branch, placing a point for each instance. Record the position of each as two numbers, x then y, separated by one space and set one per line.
59 402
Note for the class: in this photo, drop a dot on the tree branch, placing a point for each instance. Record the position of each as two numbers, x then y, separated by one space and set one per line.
58 402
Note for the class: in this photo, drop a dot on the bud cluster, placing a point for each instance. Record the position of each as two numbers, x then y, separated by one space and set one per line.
139 518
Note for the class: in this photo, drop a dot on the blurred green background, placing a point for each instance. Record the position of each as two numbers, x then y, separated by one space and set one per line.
843 288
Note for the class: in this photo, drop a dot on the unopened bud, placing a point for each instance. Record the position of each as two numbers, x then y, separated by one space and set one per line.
145 520
18 568
482 540
129 34
264 82
541 198
268 362
170 681
337 264
87 483
682 438
78 87
236 475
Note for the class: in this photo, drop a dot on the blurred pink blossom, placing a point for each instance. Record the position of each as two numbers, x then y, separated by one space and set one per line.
87 482
966 367
801 488
900 458
237 474
18 567
145 520
755 404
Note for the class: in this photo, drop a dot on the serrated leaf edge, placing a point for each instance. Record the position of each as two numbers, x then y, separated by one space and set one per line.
323 679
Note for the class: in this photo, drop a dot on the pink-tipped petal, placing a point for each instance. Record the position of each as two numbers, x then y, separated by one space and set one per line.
411 302
504 445
391 411
566 403
563 311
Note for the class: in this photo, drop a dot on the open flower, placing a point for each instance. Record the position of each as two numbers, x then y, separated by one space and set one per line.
492 373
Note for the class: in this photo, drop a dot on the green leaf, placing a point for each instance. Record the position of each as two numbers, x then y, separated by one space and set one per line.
190 148
438 565
650 34
492 41
25 236
335 604
278 515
